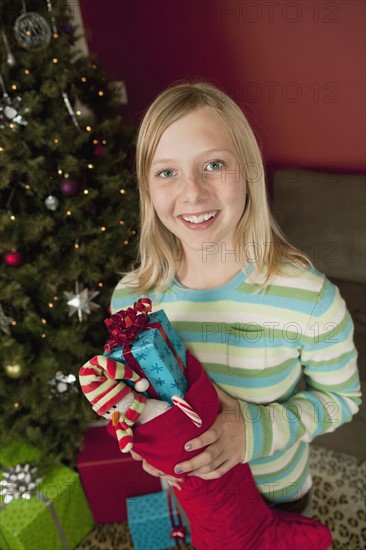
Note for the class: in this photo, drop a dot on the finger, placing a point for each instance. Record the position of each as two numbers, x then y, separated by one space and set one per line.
211 467
174 480
174 484
217 472
158 473
151 469
200 461
205 439
135 456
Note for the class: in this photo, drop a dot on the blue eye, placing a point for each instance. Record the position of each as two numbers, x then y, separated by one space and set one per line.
165 173
215 165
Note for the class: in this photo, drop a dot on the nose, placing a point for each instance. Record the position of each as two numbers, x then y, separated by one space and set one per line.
194 189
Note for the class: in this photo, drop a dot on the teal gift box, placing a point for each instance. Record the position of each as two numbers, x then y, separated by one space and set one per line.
153 524
156 353
54 515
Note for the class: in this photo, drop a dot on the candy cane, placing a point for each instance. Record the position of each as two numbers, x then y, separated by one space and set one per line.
187 409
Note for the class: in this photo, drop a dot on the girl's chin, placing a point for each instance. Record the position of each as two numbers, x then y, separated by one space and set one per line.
206 247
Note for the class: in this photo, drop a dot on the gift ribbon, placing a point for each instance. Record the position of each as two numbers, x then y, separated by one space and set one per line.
169 344
131 362
56 520
4 541
178 532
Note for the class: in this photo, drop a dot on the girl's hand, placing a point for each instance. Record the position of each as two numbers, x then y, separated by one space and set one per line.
224 442
173 481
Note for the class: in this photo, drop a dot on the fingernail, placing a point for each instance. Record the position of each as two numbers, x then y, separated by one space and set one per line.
188 446
178 470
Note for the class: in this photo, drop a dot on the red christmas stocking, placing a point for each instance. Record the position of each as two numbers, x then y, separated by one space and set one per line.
227 512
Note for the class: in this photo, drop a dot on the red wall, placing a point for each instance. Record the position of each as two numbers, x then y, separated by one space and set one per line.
297 68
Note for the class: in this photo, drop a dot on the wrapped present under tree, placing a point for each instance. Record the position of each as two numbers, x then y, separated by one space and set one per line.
40 508
110 477
155 521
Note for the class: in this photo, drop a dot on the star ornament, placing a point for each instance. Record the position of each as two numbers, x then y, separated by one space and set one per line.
81 302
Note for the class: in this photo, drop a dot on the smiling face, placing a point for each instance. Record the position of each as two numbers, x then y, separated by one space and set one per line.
196 181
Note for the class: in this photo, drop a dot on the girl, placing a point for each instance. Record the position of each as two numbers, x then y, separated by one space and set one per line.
250 306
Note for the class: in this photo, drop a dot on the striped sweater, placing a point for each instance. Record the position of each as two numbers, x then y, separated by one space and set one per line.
260 347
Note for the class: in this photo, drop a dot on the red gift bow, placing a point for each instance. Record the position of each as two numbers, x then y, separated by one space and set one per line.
125 325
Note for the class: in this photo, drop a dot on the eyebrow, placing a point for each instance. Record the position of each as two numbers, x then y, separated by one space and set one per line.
208 152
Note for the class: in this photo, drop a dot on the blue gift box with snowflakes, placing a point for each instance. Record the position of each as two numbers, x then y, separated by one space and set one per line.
156 524
158 354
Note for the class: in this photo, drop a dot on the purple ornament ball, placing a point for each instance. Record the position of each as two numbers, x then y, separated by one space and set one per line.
68 28
70 187
99 150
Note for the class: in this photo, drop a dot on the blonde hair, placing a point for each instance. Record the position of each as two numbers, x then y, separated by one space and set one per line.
159 249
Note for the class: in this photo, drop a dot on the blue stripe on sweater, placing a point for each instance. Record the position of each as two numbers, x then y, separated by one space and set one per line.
257 382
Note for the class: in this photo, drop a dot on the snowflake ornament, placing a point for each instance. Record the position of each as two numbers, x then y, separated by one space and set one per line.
62 385
81 301
12 111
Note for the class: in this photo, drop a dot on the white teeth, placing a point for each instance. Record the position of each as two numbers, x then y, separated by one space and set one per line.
200 219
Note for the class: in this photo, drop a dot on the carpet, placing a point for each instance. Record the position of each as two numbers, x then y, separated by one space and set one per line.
339 501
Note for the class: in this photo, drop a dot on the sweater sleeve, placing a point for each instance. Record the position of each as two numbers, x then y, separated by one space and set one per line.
332 393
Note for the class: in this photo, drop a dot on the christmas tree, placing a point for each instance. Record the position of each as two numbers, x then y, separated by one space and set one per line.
68 222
